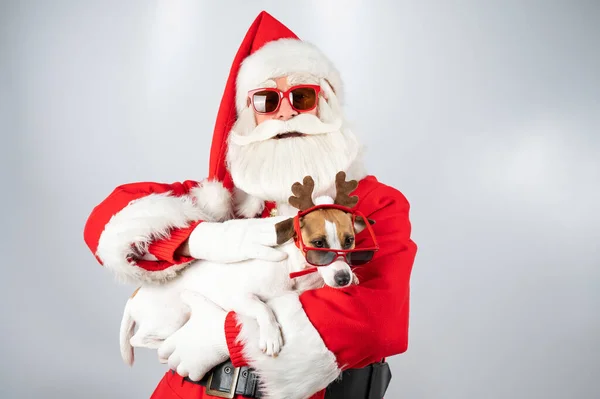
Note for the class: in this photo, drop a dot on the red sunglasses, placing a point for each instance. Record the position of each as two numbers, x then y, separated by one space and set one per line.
326 256
302 98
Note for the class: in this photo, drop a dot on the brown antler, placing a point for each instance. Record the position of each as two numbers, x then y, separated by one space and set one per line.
302 198
343 189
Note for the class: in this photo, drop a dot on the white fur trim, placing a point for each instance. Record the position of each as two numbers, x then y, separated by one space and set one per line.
246 205
129 232
214 200
309 366
280 58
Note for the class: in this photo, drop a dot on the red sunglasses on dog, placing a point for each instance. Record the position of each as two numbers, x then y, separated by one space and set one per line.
326 256
302 98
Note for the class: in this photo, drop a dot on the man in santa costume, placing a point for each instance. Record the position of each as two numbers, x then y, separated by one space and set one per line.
264 141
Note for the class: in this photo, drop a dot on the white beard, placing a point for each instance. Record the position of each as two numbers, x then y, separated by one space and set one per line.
266 168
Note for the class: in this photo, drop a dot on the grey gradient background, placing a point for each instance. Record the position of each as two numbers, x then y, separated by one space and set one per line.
484 113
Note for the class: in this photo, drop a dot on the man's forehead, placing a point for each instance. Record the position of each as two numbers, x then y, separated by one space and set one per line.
268 83
293 79
302 78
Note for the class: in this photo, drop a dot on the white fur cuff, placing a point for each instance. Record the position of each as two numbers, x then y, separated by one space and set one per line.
304 366
130 231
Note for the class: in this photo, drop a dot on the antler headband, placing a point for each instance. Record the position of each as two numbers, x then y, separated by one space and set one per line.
302 198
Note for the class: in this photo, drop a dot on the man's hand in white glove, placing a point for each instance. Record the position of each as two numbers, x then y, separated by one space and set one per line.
200 344
236 240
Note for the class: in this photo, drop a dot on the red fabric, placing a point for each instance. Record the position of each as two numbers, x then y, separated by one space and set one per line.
173 386
164 249
269 206
264 29
360 332
232 330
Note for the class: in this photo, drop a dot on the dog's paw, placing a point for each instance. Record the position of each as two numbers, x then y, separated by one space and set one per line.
271 339
354 279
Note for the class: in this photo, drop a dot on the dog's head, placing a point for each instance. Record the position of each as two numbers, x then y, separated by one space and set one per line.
325 228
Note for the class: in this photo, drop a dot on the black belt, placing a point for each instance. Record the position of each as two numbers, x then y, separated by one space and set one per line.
370 382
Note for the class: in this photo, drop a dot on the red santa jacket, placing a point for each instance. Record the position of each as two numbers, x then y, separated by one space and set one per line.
136 230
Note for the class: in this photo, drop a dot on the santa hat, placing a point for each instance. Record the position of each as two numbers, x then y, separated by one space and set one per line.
269 50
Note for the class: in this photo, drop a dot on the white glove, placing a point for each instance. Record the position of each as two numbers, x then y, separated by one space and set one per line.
200 344
236 240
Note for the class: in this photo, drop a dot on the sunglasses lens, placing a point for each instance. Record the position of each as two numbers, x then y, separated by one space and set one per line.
359 257
303 98
265 101
320 258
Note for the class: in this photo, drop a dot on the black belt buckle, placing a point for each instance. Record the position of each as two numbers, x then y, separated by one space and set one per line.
223 394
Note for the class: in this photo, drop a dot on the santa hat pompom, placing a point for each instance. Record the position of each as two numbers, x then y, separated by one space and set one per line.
323 200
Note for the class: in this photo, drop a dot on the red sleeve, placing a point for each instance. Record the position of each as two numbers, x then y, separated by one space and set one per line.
136 230
363 324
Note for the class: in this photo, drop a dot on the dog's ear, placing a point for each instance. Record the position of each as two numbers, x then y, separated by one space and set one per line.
285 231
360 224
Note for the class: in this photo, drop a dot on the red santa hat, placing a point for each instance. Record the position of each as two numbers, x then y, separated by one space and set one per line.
269 50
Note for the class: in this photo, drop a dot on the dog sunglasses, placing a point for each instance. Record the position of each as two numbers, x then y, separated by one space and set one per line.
302 98
326 256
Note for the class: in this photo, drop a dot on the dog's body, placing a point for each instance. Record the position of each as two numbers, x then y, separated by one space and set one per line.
157 310
244 287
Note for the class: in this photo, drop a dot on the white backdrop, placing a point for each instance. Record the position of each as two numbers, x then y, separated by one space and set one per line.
485 115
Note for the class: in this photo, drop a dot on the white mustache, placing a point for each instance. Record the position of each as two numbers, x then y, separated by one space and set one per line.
303 123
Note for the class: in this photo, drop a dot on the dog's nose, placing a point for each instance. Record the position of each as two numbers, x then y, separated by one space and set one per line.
342 278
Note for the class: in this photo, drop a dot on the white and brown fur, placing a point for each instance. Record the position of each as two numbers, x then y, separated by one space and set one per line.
158 311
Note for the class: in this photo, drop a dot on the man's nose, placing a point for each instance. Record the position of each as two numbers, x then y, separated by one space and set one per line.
285 111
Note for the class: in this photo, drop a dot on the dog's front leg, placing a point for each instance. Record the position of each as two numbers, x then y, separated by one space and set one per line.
271 339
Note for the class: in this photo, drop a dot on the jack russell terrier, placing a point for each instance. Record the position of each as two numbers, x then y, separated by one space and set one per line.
314 240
